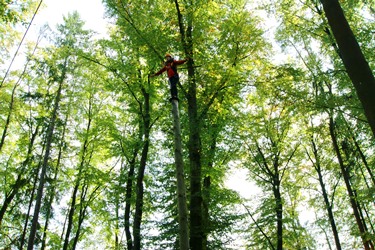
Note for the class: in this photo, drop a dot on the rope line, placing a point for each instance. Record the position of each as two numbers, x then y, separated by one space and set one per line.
19 46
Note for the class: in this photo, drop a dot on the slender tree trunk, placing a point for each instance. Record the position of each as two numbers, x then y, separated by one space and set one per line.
141 172
82 212
48 214
20 182
363 158
53 187
50 132
23 236
327 204
346 175
279 208
355 63
128 195
70 216
117 227
11 104
7 122
78 181
181 188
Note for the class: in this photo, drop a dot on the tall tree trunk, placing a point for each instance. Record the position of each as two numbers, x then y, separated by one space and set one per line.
278 206
117 224
70 215
196 224
82 213
141 172
20 182
355 63
50 132
35 181
364 160
273 175
10 112
84 152
11 104
49 211
181 188
327 204
128 195
53 186
352 197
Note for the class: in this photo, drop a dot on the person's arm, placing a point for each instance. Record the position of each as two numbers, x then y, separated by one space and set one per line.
159 72
178 62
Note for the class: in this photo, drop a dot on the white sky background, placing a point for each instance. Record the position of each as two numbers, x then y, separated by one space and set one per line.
91 11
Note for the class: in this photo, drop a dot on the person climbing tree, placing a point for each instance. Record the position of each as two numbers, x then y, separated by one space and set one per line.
170 65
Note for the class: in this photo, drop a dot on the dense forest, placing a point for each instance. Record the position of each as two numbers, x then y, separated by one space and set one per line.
276 96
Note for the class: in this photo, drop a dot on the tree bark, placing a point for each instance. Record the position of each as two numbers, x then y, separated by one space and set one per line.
128 195
345 173
53 186
50 133
84 152
23 236
278 207
19 182
181 189
355 63
196 223
141 172
327 204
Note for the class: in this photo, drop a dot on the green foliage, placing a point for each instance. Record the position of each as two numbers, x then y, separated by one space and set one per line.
255 112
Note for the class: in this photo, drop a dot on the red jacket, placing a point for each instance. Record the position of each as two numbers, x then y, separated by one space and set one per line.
169 68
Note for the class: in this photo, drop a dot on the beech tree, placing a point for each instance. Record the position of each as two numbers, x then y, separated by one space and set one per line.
87 150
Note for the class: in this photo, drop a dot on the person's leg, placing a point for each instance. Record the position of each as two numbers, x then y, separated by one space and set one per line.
173 86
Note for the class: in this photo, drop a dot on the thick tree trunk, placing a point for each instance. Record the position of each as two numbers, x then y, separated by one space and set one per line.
196 223
141 171
181 189
352 197
353 58
327 204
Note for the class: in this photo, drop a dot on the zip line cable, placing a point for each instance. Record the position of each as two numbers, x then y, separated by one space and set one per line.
19 46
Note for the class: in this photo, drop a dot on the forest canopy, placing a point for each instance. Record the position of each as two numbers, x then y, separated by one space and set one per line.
269 144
